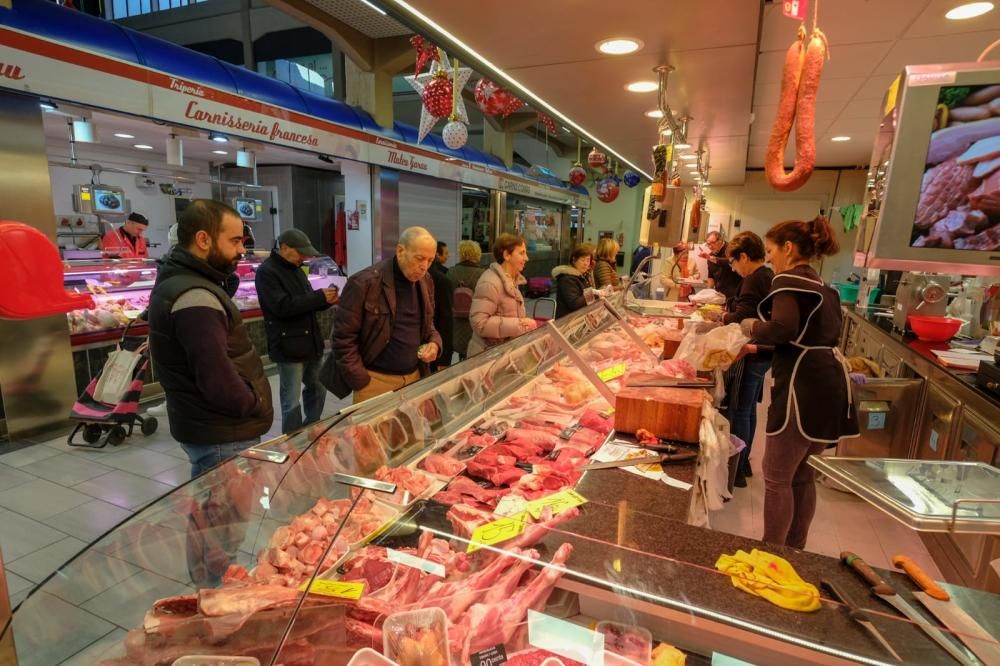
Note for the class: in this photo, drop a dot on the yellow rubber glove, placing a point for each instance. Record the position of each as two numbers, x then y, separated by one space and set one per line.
771 577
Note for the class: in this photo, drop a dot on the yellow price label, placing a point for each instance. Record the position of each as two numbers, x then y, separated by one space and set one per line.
614 372
558 502
890 97
497 531
336 588
84 196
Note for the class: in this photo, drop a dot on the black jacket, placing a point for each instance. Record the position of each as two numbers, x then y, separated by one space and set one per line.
212 376
570 290
290 305
444 300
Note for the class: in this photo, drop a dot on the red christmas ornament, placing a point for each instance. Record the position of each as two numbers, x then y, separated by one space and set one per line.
490 98
577 175
607 190
597 160
437 97
550 124
426 52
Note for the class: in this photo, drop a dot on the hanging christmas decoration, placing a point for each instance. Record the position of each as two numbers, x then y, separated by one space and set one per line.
608 188
435 89
631 178
511 103
597 159
490 98
550 124
577 175
426 52
455 133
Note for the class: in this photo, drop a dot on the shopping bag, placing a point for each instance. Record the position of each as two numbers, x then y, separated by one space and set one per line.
717 348
116 377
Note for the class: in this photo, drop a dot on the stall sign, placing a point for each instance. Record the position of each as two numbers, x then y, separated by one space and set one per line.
795 9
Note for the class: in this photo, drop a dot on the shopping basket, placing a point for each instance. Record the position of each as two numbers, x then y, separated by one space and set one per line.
105 423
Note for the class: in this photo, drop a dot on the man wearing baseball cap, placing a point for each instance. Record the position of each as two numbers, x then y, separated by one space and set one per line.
126 242
294 340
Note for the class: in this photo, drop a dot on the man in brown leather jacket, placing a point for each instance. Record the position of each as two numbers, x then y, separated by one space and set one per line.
383 332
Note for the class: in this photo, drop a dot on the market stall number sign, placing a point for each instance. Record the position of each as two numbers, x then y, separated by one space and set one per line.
336 588
614 372
498 531
559 502
494 656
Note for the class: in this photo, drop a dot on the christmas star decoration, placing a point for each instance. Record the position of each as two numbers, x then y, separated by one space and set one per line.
420 82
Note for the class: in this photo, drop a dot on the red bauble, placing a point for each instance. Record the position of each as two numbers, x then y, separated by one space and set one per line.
550 124
511 103
577 175
437 97
490 98
596 159
607 190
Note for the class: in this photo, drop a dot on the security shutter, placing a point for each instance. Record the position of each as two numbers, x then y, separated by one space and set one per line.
433 204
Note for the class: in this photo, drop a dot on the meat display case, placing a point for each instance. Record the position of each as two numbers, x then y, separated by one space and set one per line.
121 291
360 509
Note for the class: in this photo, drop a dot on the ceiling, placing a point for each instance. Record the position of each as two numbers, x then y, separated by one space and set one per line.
726 69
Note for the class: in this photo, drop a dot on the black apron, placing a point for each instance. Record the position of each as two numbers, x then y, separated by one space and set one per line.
810 370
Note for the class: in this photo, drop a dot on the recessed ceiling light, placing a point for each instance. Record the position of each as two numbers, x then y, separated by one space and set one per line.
655 113
142 146
706 184
221 152
642 86
667 132
123 135
682 146
689 157
619 45
48 106
838 139
218 138
969 10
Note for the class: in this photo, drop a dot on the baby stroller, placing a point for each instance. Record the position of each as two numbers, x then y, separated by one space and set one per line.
97 419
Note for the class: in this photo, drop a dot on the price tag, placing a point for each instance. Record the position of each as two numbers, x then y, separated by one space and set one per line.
493 656
559 502
336 588
890 97
498 531
614 372
607 413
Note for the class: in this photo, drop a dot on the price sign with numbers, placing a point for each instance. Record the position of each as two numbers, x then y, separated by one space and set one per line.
336 588
498 531
614 372
559 502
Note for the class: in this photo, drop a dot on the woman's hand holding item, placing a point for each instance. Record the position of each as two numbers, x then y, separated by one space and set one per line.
746 326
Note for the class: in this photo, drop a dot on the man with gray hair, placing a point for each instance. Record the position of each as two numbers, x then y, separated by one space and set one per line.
721 275
383 329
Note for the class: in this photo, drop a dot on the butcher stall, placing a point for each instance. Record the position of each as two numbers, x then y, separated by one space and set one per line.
490 513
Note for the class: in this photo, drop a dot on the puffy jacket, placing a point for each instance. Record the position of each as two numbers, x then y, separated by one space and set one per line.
362 326
290 305
570 289
497 310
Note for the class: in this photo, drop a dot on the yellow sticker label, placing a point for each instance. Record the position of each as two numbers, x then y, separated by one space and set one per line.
84 195
614 372
497 531
890 97
336 588
558 502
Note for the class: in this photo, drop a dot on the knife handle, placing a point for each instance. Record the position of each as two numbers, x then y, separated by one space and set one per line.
855 562
920 577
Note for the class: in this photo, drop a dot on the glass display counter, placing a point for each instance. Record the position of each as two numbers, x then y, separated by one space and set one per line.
455 521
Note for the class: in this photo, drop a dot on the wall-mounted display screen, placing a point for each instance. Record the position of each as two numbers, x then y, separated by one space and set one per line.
959 204
109 200
103 200
249 209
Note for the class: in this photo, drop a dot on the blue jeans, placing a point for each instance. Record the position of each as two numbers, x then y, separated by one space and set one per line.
743 421
204 457
299 383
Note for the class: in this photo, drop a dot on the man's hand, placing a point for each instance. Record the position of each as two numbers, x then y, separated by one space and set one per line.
428 352
332 295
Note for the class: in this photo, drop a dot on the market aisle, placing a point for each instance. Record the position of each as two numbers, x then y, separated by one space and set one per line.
55 499
843 520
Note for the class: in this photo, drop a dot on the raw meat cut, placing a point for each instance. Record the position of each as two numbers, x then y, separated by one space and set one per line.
954 225
535 657
945 187
410 483
986 197
462 489
596 421
988 241
465 519
438 463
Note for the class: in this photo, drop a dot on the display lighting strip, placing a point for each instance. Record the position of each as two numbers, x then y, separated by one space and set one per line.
421 23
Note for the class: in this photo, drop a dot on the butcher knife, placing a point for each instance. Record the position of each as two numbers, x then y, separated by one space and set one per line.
951 615
859 616
884 591
628 462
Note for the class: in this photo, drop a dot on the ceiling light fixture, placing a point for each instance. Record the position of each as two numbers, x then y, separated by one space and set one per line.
839 139
48 106
683 145
667 132
618 45
641 86
968 10
218 138
484 65
376 8
123 135
655 113
142 146
689 156
220 152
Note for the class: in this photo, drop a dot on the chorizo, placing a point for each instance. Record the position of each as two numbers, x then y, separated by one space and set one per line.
966 114
804 116
982 96
784 119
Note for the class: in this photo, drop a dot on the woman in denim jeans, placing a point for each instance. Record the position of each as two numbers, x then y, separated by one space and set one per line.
746 379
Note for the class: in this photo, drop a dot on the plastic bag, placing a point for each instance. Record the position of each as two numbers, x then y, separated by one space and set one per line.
417 638
116 377
717 348
708 297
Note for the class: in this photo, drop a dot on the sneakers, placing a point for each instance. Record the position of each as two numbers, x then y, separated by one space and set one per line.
158 410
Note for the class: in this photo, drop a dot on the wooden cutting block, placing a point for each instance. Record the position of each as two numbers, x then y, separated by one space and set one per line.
670 348
669 413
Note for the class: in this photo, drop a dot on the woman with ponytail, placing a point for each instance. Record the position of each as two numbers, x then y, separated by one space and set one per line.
811 407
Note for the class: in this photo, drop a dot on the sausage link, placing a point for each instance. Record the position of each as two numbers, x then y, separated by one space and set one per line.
774 164
964 114
987 94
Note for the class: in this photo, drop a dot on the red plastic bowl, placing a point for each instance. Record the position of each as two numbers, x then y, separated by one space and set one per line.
934 329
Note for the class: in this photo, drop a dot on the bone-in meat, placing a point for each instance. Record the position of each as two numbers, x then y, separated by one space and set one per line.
945 187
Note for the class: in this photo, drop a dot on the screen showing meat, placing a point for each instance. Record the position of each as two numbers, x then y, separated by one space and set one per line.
108 201
959 205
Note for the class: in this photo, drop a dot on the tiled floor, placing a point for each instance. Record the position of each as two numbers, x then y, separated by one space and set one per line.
55 499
